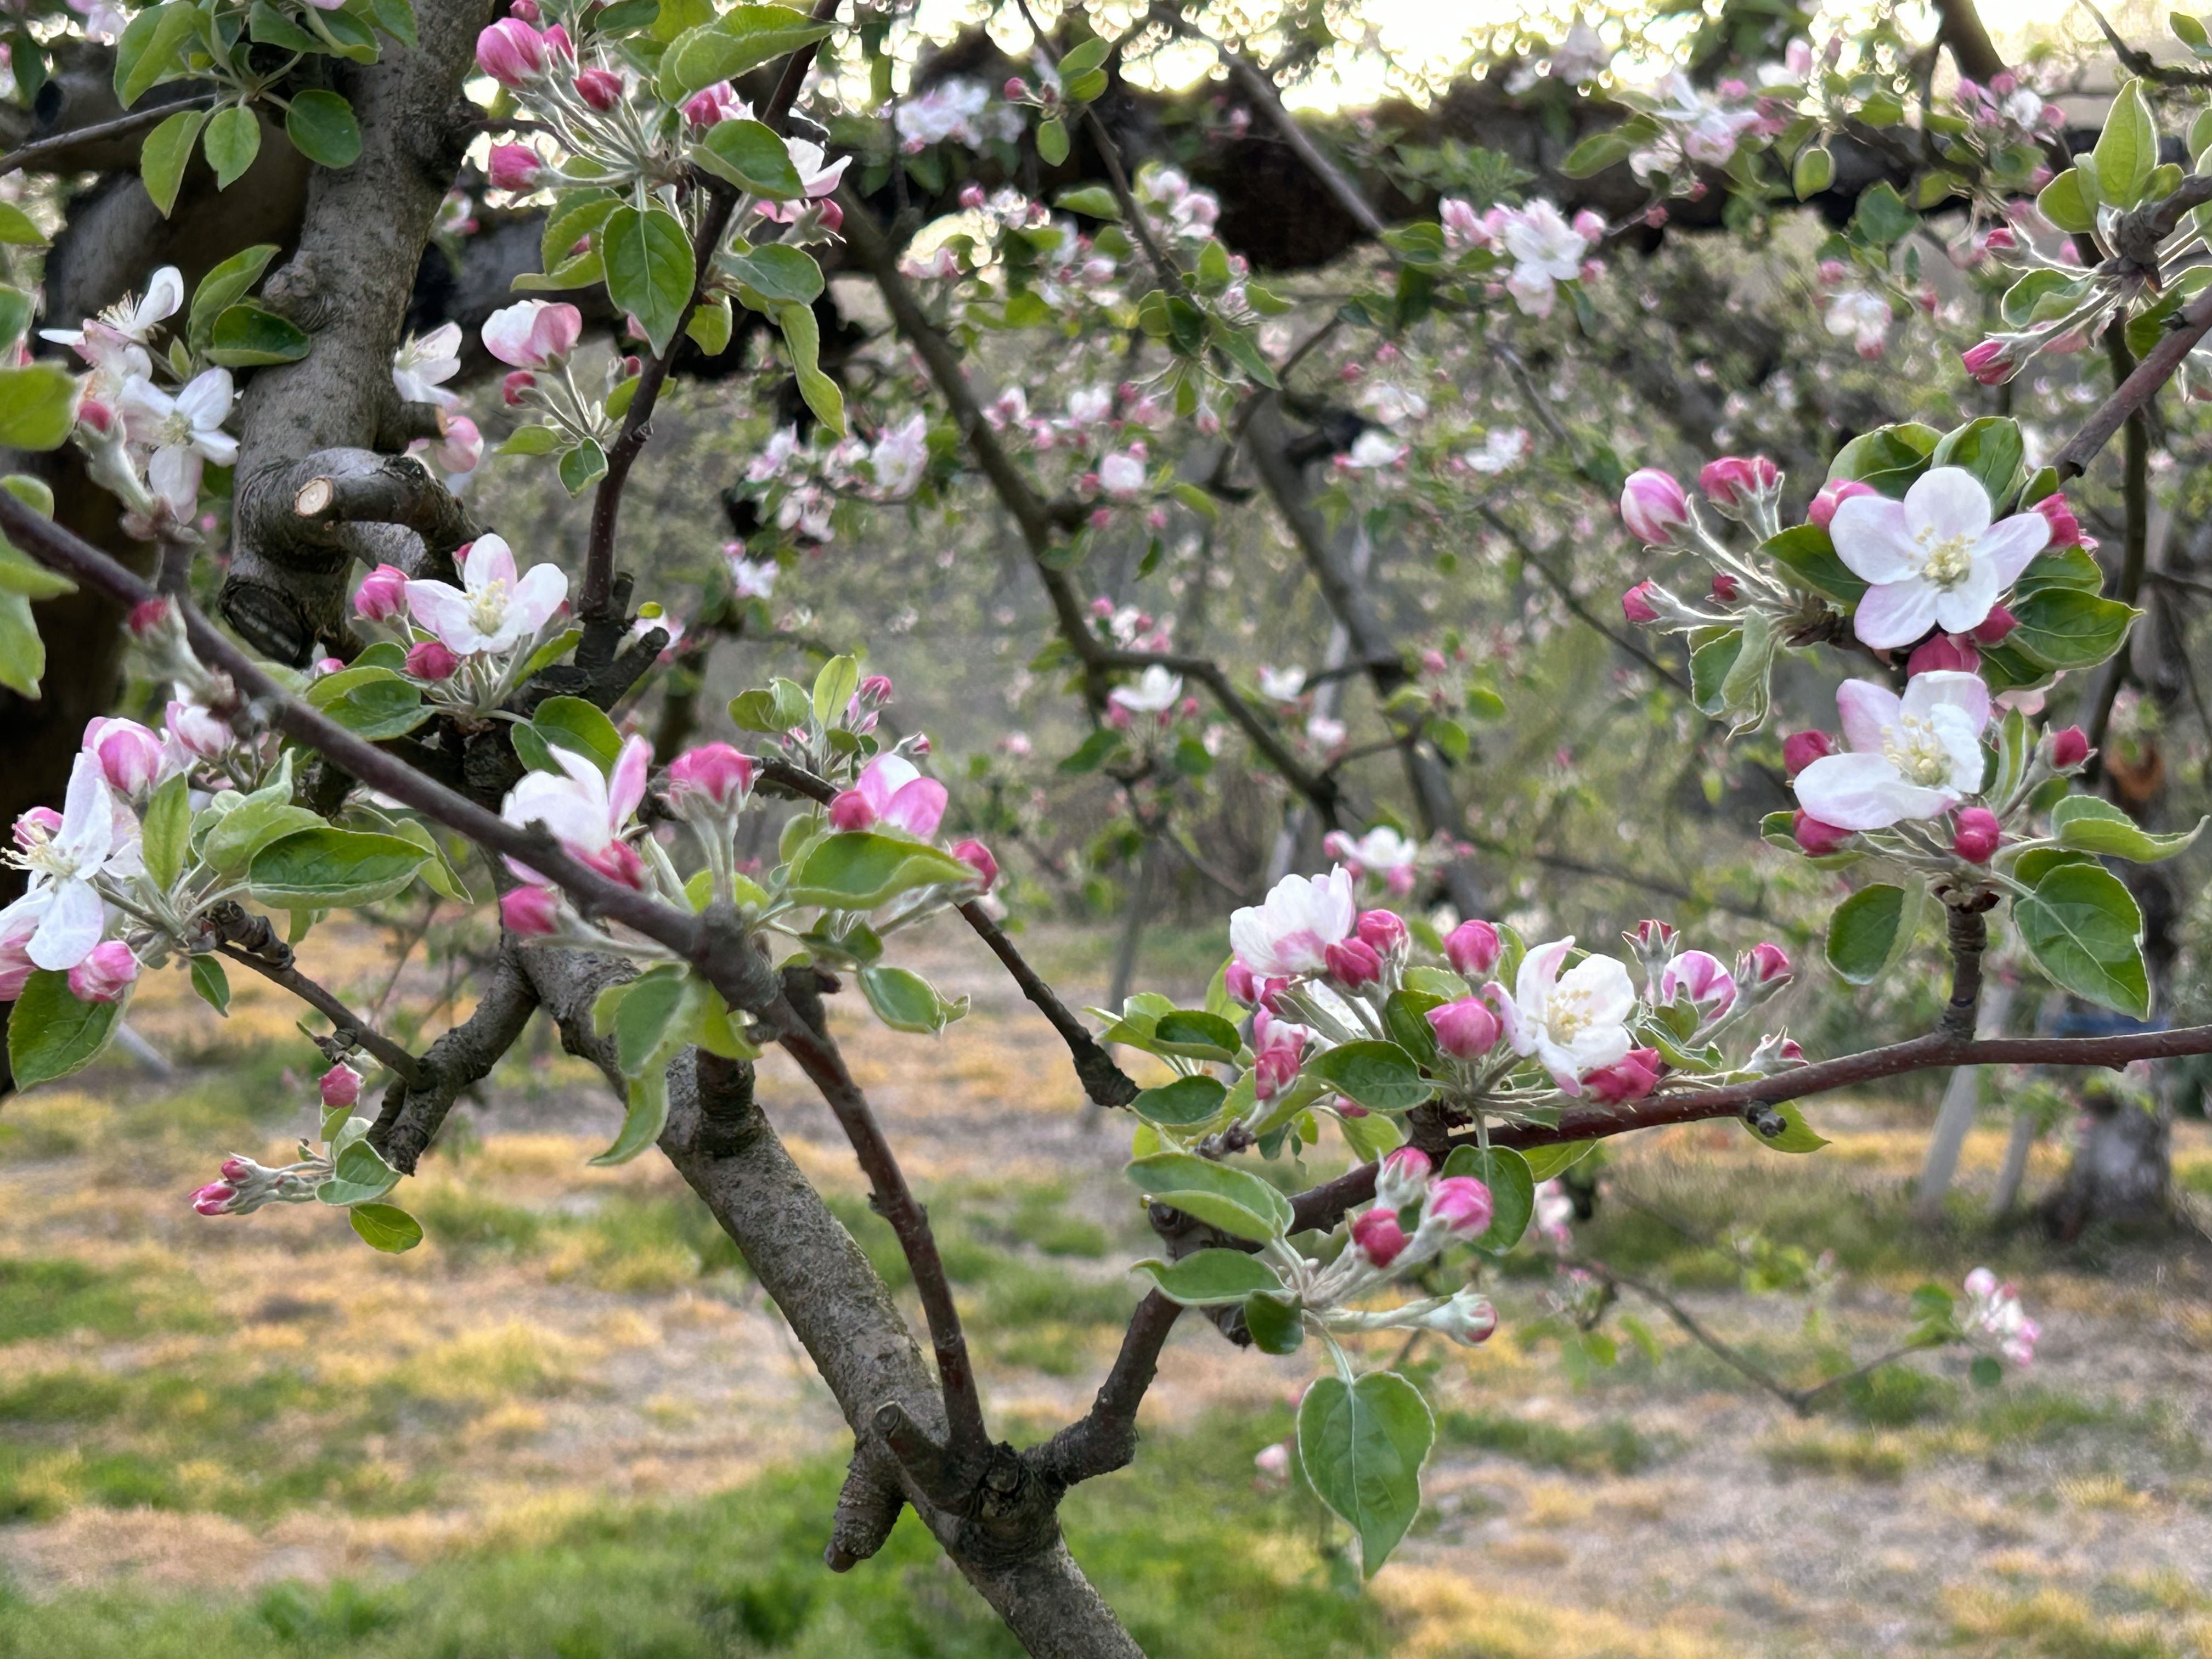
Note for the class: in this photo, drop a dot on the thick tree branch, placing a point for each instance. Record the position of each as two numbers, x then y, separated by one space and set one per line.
415 1109
2156 369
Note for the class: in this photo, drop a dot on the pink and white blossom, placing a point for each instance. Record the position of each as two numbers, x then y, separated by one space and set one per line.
891 790
1914 757
1574 1022
585 809
1156 692
184 433
1381 854
533 334
421 366
61 899
1933 560
106 972
493 609
1288 935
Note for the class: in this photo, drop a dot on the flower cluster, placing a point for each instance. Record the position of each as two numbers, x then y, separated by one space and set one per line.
1416 1215
801 484
468 647
1543 249
1994 1314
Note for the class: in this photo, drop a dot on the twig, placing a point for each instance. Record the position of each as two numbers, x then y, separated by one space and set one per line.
121 127
1255 82
2156 369
252 943
1104 1438
2135 548
1968 931
2137 61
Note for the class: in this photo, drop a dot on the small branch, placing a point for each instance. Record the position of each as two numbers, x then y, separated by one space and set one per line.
1558 584
1674 1310
251 942
2157 367
1255 82
396 490
1105 1439
2137 61
415 1109
60 143
2136 547
1969 933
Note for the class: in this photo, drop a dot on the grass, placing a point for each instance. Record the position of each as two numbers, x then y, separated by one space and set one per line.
1612 1446
48 1296
1201 1564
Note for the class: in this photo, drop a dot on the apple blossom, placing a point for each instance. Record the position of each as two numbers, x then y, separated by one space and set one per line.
199 732
1460 1204
530 911
1814 836
1276 1046
1994 627
1237 980
1572 1022
1699 975
1472 948
1377 1235
1288 934
1632 1076
587 810
1736 480
15 964
131 757
1282 684
183 432
1726 586
1913 757
1121 475
340 1087
1636 604
978 858
62 867
492 611
1384 933
1546 250
215 1198
1822 509
2067 750
1994 1310
512 53
1352 964
382 594
1382 853
1865 315
1155 691
1764 963
1933 559
1555 1211
602 88
132 320
712 105
1977 834
106 972
431 659
1801 748
512 388
1943 652
1990 363
1468 1318
1402 1177
1465 1030
533 333
425 363
516 168
892 790
2065 528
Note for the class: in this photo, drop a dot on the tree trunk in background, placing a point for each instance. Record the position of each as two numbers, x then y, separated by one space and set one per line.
1962 1097
2025 1132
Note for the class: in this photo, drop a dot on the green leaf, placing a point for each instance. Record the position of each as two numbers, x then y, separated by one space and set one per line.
1797 1135
397 19
1092 201
1362 1447
1082 57
1991 448
234 139
750 156
833 687
571 723
650 271
22 653
247 337
2088 824
1597 152
711 325
322 128
2068 203
372 703
223 286
1170 1177
1182 1104
17 228
1052 142
2067 628
1986 1371
582 466
385 1227
1512 1186
803 338
2127 150
1210 1276
1806 554
1547 1162
859 872
1092 752
51 1034
152 47
743 38
642 1121
1882 217
1196 1036
2081 926
906 1002
272 27
1276 1324
358 1176
1888 459
326 869
165 154
1710 664
212 983
1380 1075
16 309
231 843
38 406
167 835
777 274
1813 172
1872 928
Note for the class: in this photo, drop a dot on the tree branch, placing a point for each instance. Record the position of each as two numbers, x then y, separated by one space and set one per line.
123 126
2156 369
415 1109
251 942
1105 1439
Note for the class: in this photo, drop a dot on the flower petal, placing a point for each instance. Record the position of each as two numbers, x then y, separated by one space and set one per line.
1864 792
1967 607
75 919
174 474
1962 744
1948 501
1868 711
206 401
489 560
1870 537
1540 972
1892 614
1949 688
918 808
2011 543
164 293
540 593
626 786
87 819
445 610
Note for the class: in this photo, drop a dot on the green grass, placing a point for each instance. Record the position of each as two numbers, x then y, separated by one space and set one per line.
1190 1554
45 1297
1612 1446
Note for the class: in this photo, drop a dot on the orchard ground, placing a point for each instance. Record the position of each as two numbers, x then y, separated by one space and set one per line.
569 1424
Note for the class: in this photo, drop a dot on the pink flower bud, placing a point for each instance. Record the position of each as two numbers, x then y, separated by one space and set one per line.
512 388
1016 89
130 755
1376 1235
557 43
514 167
1630 1077
618 861
526 10
433 660
1465 1030
1994 627
214 1199
1384 933
978 858
1767 962
341 1087
512 53
2001 240
602 88
1698 975
1409 1163
1352 964
96 414
1822 510
36 827
1725 586
236 1169
148 618
2069 747
1946 652
714 104
1815 837
1636 604
530 911
1461 1203
1801 748
1473 949
1988 363
106 973
1977 834
1736 479
1236 980
851 811
1653 505
382 594
714 773
2065 528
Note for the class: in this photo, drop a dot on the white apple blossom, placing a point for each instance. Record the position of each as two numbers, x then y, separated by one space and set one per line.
491 611
1323 733
1933 560
1121 475
134 316
1574 1023
1155 691
1382 853
1913 757
422 365
1546 250
1282 685
183 432
585 809
750 579
1994 1310
1863 315
1284 935
1373 447
1391 404
1503 448
817 174
98 836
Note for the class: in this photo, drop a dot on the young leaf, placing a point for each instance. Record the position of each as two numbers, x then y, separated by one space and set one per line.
2127 150
223 288
247 337
2084 930
51 1034
1210 1276
906 1002
1380 1075
804 339
750 156
165 154
326 869
650 270
2089 824
1362 1447
1184 1104
322 128
212 983
233 140
385 1227
1871 929
582 727
38 406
